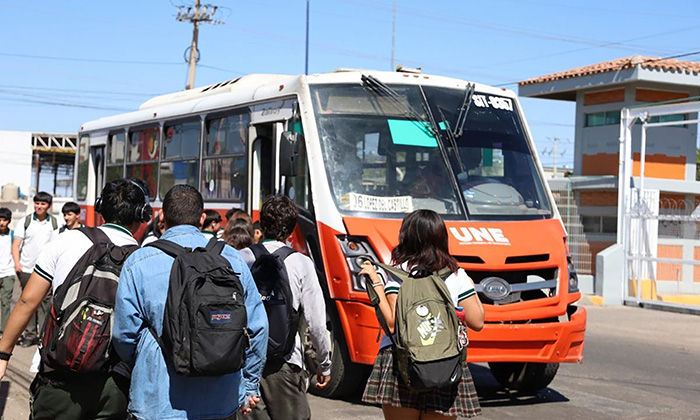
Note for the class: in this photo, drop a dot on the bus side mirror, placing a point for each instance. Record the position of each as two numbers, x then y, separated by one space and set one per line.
289 152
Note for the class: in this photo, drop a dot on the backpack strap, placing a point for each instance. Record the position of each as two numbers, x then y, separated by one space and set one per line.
27 221
215 245
169 247
283 252
54 223
95 235
258 250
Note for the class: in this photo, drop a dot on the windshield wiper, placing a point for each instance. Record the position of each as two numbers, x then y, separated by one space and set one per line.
463 110
452 139
383 90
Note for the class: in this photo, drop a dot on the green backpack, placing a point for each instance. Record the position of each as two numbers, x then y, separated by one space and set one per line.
426 347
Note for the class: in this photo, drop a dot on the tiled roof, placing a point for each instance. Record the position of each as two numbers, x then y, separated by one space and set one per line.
667 64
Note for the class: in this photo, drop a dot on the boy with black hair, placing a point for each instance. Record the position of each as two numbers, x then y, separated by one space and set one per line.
7 266
212 224
71 213
59 395
157 392
31 236
283 390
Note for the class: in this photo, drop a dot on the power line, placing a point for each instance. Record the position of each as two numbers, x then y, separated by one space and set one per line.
88 60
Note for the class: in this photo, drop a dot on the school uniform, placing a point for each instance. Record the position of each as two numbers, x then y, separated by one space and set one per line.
34 239
54 395
385 388
7 276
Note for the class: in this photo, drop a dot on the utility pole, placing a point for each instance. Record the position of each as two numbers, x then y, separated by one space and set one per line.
195 16
554 152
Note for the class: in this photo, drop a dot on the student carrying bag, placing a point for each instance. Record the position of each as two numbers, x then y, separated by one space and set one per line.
272 280
205 320
77 334
426 347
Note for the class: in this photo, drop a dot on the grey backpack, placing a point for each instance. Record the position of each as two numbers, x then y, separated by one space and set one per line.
426 346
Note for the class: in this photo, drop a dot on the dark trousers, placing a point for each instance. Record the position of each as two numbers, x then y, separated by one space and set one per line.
6 286
283 390
103 397
36 323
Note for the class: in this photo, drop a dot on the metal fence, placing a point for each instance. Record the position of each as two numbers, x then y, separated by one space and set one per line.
659 236
568 209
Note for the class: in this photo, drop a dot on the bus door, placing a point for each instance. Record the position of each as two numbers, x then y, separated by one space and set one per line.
96 179
268 121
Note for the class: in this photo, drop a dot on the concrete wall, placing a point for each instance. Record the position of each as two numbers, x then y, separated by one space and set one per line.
16 159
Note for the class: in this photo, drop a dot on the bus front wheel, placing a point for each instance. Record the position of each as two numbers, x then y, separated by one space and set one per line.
522 376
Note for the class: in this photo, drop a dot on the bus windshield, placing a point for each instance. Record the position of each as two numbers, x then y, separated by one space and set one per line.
384 157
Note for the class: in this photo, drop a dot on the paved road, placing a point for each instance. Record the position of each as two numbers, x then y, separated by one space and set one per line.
639 364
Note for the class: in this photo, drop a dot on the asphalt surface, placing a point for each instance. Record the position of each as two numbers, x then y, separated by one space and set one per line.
638 364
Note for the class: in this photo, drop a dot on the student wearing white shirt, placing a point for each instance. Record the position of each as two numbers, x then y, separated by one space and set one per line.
56 395
31 235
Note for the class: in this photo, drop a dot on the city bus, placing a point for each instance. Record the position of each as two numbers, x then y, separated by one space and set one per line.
357 150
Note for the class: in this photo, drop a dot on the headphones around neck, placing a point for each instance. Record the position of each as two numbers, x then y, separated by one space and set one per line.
142 212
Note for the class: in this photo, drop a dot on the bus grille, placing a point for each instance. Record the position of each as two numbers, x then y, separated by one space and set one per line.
506 287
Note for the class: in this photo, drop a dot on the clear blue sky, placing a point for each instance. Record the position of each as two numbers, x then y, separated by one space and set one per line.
65 63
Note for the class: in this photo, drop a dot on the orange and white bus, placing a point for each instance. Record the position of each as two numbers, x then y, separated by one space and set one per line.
358 150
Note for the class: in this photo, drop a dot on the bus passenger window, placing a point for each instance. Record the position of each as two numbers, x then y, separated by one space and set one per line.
142 154
224 169
82 186
180 161
115 156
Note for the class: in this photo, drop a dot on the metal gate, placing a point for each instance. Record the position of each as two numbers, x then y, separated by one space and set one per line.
660 237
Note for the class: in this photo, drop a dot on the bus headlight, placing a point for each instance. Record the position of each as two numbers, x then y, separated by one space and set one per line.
573 277
356 251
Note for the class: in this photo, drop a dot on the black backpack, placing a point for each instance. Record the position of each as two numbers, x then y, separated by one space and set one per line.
77 334
205 324
272 280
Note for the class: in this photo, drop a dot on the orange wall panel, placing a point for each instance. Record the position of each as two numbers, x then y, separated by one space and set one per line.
660 166
696 268
651 95
600 164
605 97
655 166
669 271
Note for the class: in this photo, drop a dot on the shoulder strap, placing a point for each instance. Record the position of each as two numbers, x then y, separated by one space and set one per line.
374 300
27 221
284 252
170 248
215 245
54 223
12 236
95 235
397 272
258 250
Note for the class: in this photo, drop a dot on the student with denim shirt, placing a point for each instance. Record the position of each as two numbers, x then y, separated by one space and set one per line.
157 392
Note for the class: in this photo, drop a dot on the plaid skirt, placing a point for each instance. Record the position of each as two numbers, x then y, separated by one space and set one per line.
385 388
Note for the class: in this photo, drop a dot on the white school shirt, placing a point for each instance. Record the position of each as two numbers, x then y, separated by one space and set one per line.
7 264
61 255
458 283
34 240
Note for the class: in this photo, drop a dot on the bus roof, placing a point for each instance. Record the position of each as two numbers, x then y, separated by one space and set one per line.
254 87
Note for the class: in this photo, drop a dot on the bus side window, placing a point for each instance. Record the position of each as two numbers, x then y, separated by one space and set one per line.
115 156
224 163
142 156
180 160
